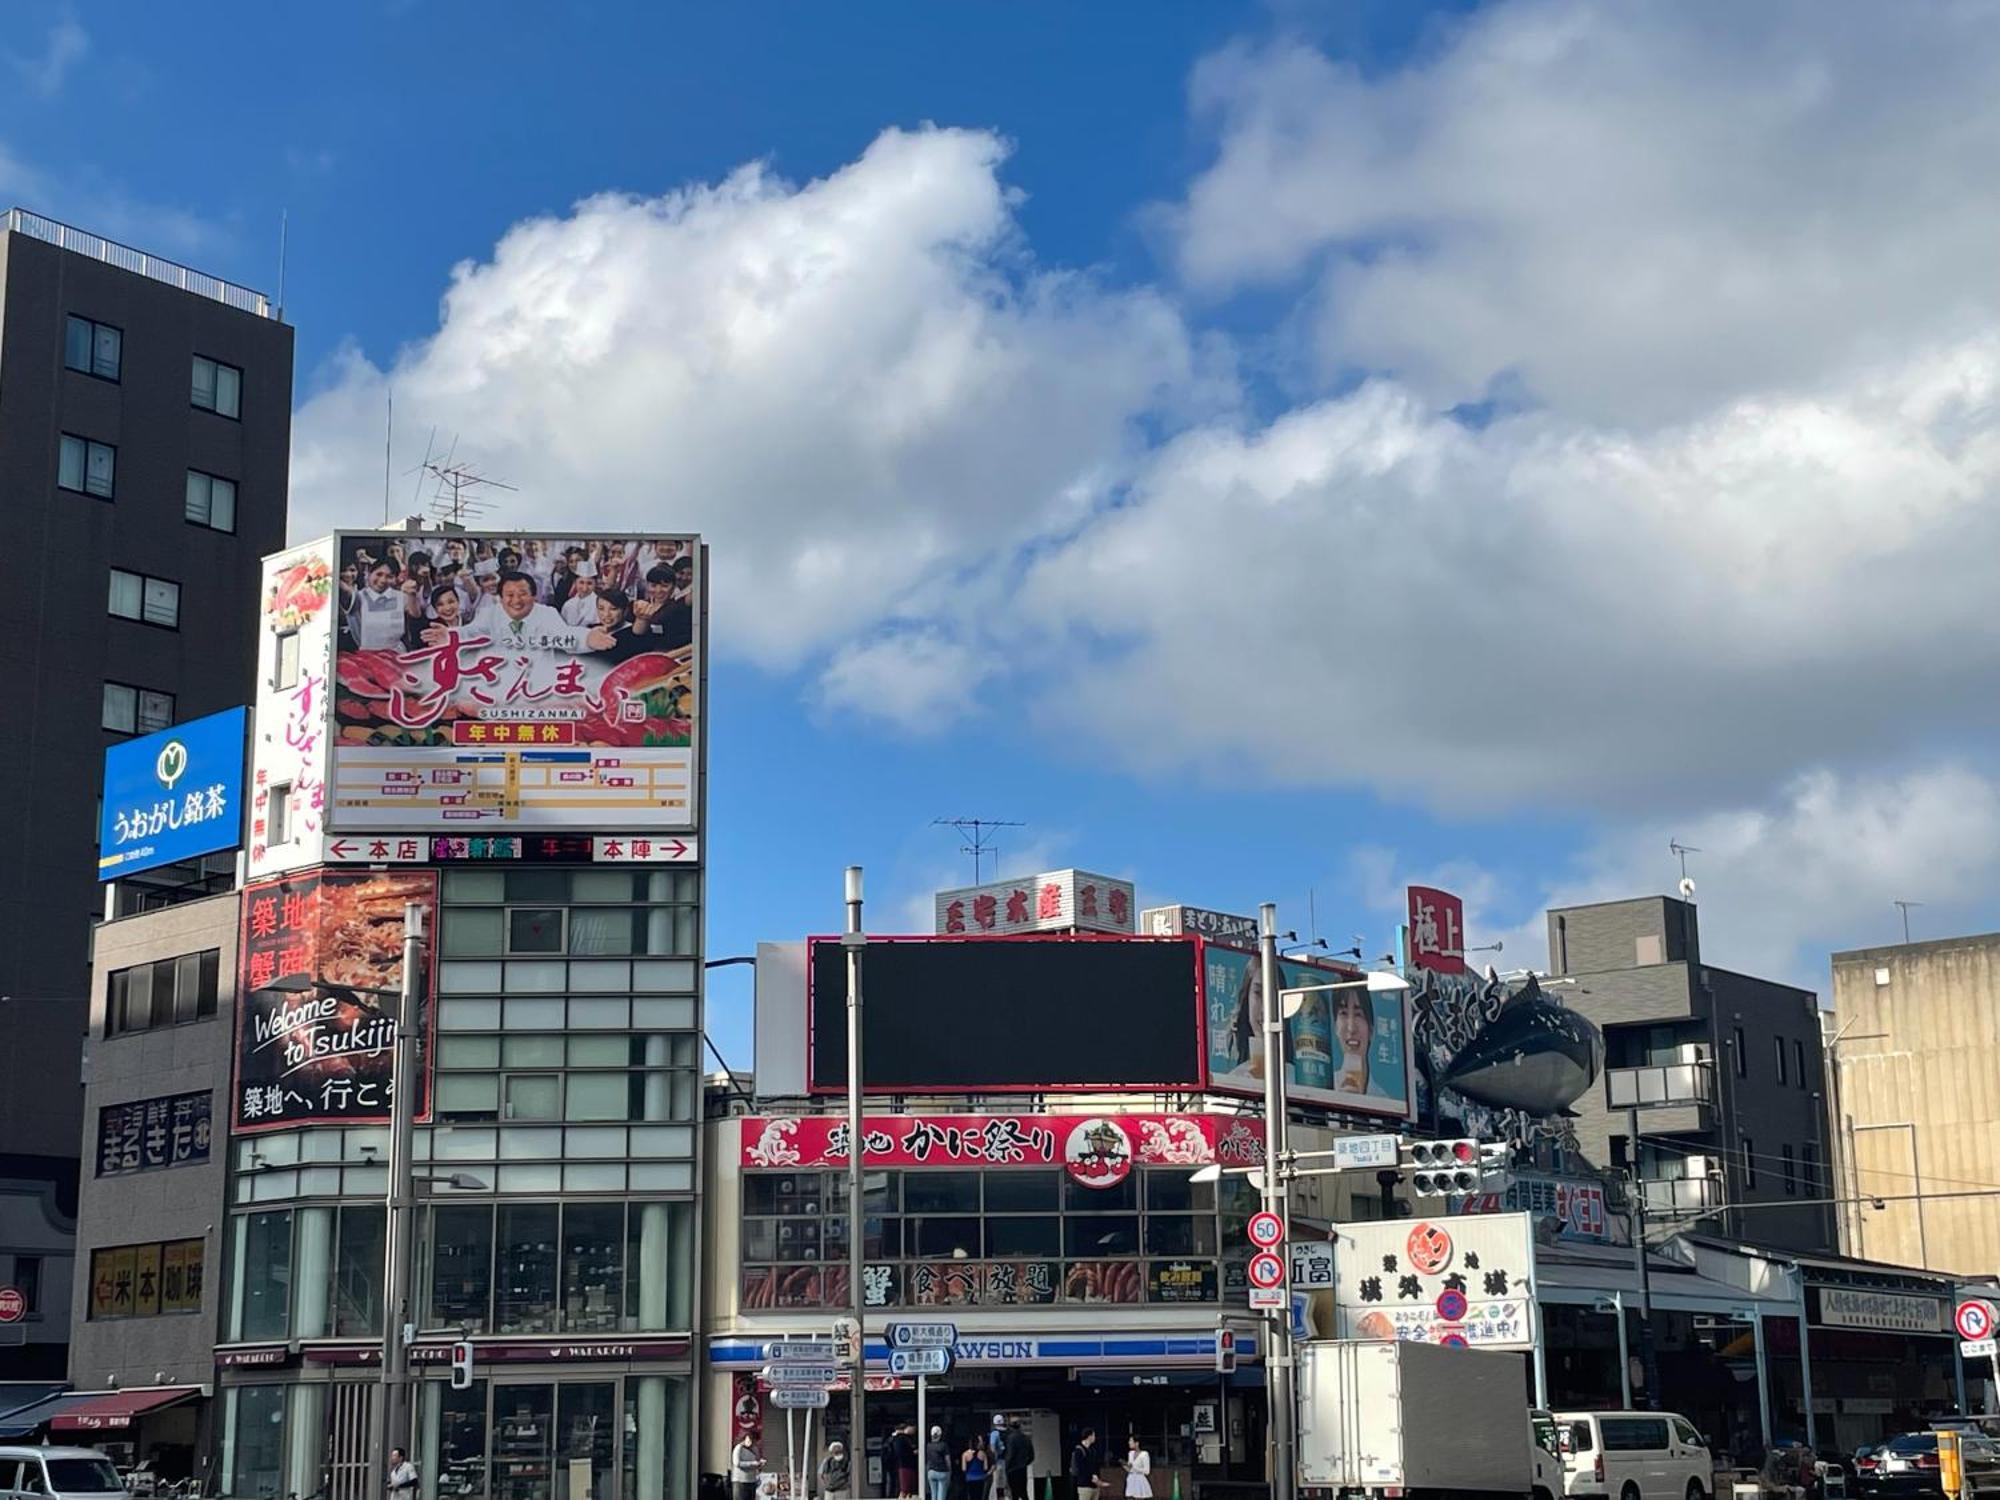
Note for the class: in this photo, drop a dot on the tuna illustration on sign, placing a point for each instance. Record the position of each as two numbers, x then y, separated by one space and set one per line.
1535 1056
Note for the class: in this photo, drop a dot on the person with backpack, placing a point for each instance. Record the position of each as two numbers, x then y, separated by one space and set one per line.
1083 1465
1018 1459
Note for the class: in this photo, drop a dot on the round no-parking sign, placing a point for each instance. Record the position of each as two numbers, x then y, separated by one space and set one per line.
1975 1320
13 1304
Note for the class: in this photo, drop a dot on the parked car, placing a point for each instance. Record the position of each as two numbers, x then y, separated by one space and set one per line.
1634 1455
60 1474
1906 1465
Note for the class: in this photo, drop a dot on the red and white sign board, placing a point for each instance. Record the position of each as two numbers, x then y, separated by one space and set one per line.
13 1304
1974 1319
1058 901
1266 1270
1265 1229
1005 1140
1437 930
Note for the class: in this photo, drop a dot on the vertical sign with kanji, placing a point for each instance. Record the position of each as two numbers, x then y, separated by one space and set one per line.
321 973
1437 930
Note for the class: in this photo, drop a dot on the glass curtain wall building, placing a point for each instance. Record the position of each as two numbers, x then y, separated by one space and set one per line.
567 1082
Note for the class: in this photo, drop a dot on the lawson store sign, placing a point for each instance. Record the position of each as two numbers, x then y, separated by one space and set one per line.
173 795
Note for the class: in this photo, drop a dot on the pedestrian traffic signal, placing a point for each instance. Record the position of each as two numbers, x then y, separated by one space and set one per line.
1444 1167
1225 1351
461 1365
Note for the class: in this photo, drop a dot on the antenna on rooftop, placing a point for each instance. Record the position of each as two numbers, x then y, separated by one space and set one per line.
458 483
1683 851
977 833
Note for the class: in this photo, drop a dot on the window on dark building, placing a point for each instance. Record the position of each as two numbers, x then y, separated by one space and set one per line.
93 348
1791 1169
217 387
211 501
1742 1058
86 467
1749 1162
1778 1047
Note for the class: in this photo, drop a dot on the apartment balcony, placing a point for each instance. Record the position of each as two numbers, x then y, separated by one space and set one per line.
1670 1098
1673 1197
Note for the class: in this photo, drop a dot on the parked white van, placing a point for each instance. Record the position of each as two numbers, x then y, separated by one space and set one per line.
59 1474
1633 1455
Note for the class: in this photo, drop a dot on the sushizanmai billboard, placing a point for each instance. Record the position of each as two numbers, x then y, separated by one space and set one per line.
491 682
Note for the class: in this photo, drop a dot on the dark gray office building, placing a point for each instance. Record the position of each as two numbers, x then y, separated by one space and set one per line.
145 428
1720 1073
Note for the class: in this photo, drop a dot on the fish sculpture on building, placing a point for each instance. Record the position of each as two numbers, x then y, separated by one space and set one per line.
1535 1056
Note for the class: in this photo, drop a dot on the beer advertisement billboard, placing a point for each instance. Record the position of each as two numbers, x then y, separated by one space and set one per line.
493 683
322 968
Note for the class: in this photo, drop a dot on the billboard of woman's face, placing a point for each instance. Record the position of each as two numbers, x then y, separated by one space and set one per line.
1345 1049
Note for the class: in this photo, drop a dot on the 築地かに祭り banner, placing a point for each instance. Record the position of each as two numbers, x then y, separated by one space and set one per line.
489 682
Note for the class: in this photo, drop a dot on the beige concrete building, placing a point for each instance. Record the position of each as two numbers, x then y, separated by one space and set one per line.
1914 1078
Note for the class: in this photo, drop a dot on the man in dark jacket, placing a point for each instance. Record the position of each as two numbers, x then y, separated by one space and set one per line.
1083 1465
1020 1454
899 1459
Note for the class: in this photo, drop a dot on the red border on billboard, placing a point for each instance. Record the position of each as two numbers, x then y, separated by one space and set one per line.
322 873
1199 1082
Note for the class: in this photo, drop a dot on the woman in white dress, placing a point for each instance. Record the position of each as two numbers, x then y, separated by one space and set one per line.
1138 1471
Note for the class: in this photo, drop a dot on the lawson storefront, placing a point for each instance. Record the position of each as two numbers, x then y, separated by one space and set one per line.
1087 1275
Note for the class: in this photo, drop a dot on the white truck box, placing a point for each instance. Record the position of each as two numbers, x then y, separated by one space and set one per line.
1417 1417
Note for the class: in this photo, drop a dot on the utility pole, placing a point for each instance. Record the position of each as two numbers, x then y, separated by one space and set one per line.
857 1393
1284 1414
398 1307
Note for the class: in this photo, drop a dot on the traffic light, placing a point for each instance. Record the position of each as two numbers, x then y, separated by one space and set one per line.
1225 1351
461 1365
1444 1167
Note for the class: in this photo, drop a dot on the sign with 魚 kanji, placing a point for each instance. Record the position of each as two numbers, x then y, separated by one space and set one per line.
172 796
325 1052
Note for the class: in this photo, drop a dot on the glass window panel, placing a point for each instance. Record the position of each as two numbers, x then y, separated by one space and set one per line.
666 974
602 1014
365 1182
602 885
524 1290
538 1177
1180 1234
71 462
461 979
365 1143
156 710
1165 1189
1100 1234
664 1140
527 1143
100 469
319 1182
253 1433
229 391
472 1015
467 886
105 351
536 1015
77 341
462 1144
1028 1191
461 1247
127 594
587 1432
537 1051
1039 1235
263 1274
661 1177
474 1096
544 978
534 1096
461 1445
941 1193
600 1051
546 887
604 929
599 1096
121 708
593 1261
202 391
939 1238
594 1140
601 977
661 1014
357 1272
468 1052
467 933
163 602
1123 1194
535 929
523 1435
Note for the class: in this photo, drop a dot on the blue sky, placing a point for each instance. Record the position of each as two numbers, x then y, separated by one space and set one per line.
1267 449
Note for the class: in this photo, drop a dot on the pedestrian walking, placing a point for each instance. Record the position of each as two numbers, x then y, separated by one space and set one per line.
745 1465
899 1456
1084 1464
402 1476
1138 1470
1018 1458
996 1446
833 1475
976 1463
937 1465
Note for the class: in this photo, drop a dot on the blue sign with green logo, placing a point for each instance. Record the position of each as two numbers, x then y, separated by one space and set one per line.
173 795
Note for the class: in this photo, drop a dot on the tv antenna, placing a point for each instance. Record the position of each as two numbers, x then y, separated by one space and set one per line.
456 496
1904 908
1682 851
978 836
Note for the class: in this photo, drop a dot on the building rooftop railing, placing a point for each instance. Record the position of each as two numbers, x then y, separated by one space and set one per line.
83 242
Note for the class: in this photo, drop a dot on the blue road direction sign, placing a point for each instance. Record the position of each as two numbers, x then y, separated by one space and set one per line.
922 1335
920 1361
173 795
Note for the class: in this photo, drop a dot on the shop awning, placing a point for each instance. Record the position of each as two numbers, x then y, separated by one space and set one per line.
1677 1290
26 1421
102 1410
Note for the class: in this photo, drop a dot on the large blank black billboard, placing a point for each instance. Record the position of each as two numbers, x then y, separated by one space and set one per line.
1018 1014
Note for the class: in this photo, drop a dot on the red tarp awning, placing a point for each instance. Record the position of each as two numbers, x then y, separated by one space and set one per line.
117 1408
